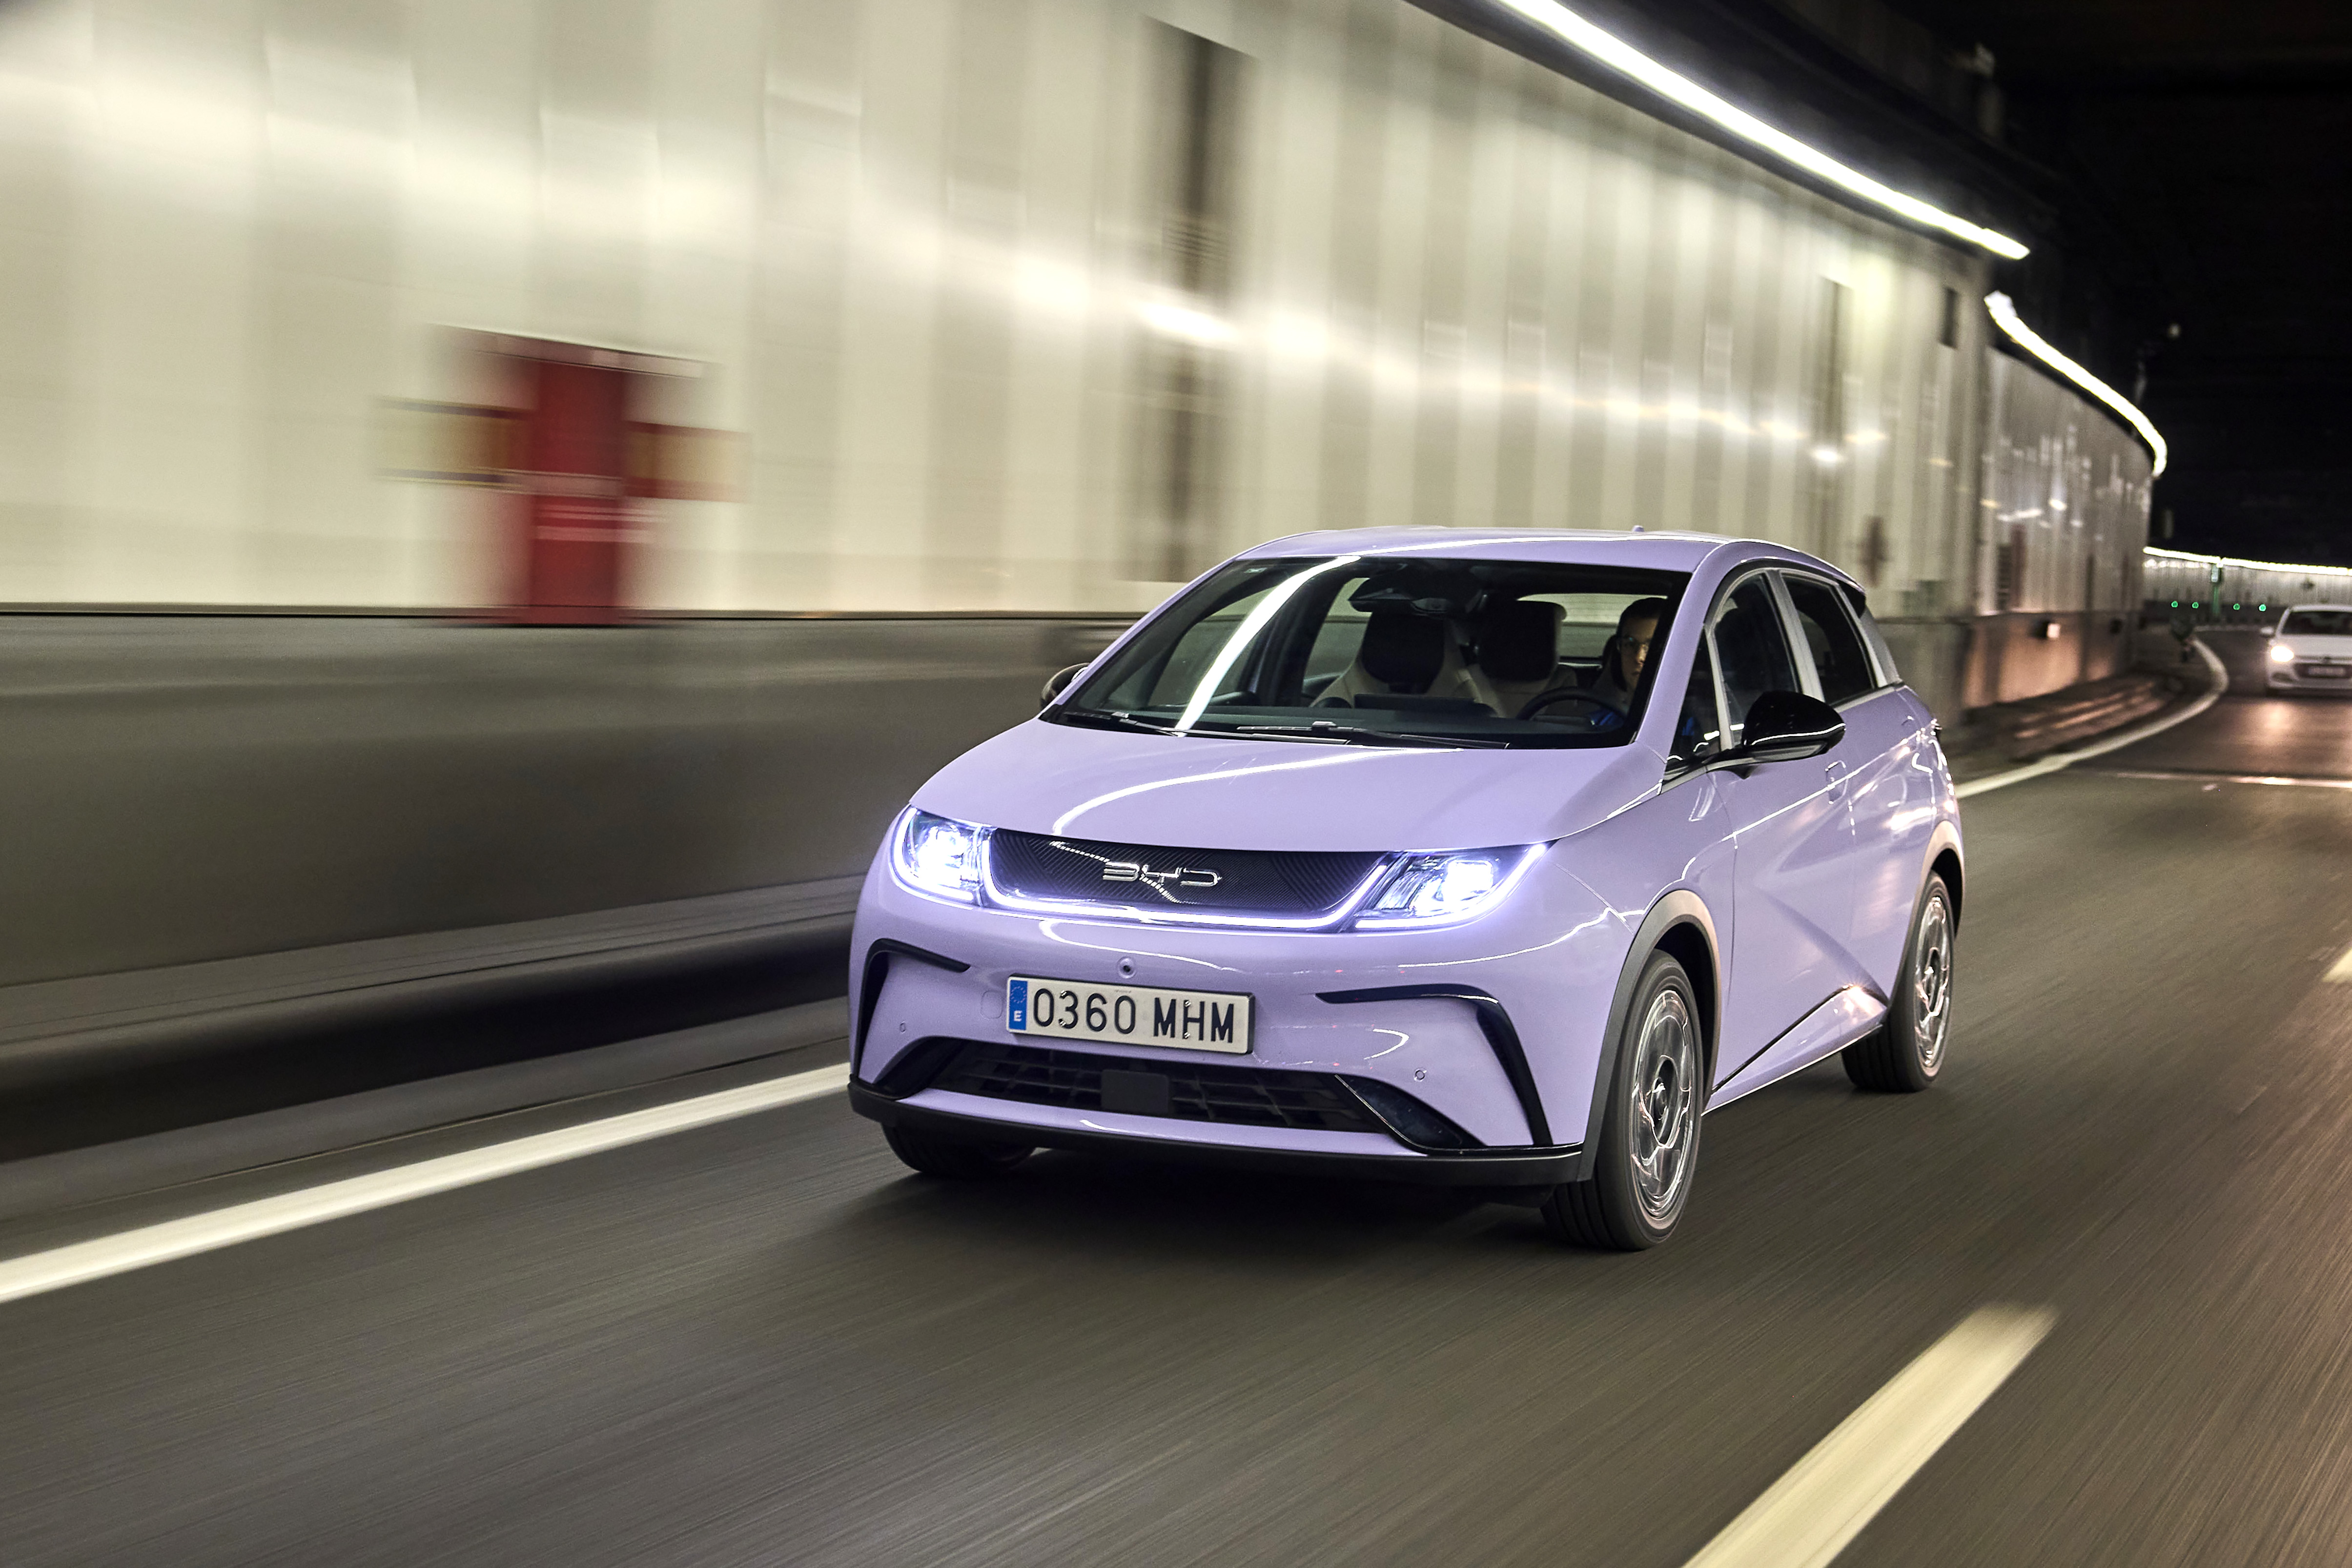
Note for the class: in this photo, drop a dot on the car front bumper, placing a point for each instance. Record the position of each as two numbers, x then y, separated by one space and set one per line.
2287 678
1495 1025
1100 1133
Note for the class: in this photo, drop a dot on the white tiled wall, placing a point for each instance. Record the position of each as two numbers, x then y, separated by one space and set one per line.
910 241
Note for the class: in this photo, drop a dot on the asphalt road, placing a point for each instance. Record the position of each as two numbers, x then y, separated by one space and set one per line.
762 1343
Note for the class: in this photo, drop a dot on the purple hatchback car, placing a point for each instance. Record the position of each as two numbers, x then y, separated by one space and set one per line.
1423 854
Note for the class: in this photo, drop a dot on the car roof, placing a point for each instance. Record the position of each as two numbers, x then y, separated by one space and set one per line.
1566 546
2293 607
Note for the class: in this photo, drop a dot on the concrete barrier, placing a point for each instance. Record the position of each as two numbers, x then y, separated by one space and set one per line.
181 790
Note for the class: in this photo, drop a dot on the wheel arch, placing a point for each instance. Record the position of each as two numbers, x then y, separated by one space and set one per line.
1679 924
1944 860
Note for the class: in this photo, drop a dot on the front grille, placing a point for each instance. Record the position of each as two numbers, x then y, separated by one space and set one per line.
1155 876
1204 1092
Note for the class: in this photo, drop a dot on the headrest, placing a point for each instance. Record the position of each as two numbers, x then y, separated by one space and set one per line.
1401 650
1518 639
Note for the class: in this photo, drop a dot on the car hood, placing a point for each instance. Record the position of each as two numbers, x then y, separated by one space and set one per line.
2308 646
1208 793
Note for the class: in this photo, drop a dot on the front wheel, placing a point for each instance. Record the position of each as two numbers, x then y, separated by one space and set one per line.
1648 1150
1907 1051
956 1158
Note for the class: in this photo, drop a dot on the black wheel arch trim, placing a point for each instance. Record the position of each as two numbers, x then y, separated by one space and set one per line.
877 970
1493 1022
1498 1168
1680 907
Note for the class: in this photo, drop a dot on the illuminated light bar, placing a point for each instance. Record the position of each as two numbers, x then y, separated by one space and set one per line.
2235 561
2005 313
1622 57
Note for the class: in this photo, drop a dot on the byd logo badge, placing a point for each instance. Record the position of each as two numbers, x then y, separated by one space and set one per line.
1160 882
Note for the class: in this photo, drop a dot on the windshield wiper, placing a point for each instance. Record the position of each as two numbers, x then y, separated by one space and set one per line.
1104 715
1358 733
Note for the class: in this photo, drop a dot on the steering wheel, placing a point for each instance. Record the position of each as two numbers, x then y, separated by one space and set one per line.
1560 697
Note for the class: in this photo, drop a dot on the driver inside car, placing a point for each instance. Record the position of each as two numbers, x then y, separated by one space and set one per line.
1621 664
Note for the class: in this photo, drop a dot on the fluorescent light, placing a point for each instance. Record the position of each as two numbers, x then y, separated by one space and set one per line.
1622 57
2005 312
2234 561
1187 324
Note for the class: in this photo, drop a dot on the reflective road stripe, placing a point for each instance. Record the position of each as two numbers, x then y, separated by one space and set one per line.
151 1244
1811 1513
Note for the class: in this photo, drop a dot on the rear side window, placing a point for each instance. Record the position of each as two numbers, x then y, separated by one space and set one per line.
1754 651
1887 671
1839 657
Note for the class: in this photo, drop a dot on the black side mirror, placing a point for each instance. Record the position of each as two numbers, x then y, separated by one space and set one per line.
1787 727
1056 685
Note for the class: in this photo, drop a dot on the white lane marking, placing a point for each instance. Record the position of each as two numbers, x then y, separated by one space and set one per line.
2215 781
2132 736
2341 970
119 1254
1811 1513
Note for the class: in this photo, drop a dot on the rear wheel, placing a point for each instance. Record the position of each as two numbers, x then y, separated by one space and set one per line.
1648 1150
960 1159
1904 1055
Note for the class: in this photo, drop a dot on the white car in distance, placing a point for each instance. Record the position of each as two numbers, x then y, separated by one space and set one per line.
2312 649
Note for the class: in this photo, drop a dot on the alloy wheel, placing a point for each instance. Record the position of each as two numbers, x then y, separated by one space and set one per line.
1931 981
1662 1120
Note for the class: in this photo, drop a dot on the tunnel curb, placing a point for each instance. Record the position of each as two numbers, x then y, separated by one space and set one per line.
2219 677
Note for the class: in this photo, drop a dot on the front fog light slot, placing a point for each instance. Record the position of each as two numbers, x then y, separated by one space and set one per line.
1408 1118
939 855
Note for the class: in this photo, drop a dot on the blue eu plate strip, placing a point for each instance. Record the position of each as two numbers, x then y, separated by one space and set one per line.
1018 1011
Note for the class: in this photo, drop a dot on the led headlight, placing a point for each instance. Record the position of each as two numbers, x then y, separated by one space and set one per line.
1438 889
939 855
2280 654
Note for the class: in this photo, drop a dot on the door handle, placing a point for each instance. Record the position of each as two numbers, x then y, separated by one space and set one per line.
1835 773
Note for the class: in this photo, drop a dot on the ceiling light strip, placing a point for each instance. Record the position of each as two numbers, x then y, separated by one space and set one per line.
2004 313
2182 555
1622 57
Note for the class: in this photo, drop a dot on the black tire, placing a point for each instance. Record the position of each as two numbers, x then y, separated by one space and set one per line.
1908 1050
1629 1203
958 1159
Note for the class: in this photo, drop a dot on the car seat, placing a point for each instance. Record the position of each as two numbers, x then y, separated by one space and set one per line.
1405 656
1518 653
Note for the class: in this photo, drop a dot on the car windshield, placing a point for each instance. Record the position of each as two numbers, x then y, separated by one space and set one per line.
2318 624
1371 651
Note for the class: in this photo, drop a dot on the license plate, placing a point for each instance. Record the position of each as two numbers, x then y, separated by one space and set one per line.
2328 671
1129 1015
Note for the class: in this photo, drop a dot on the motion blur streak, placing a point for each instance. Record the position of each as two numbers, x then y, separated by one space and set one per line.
2005 313
1678 89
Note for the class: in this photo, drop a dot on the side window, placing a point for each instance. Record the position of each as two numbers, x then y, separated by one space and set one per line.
1839 658
1754 648
1698 733
1873 635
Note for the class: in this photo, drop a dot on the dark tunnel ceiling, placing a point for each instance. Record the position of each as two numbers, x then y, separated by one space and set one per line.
2207 155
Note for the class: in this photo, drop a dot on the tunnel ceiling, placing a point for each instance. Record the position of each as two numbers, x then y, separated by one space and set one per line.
2205 155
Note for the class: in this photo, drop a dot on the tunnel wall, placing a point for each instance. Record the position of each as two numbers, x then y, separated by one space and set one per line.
189 787
2248 592
948 324
921 280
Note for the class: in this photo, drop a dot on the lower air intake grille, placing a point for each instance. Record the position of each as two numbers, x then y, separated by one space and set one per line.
1247 1096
